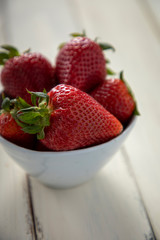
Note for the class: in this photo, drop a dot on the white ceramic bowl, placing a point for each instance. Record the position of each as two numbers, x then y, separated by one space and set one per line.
69 168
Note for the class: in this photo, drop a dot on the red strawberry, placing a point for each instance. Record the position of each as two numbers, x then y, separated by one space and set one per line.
10 130
27 71
72 119
116 97
81 63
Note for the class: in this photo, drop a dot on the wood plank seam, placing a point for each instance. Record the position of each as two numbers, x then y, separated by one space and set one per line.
5 37
151 235
31 208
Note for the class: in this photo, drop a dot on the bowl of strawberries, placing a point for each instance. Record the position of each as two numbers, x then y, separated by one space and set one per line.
63 123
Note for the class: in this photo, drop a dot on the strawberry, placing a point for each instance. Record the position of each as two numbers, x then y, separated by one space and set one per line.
10 130
115 96
81 63
67 118
27 71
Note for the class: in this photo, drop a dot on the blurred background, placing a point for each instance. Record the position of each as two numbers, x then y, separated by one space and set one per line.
132 27
43 25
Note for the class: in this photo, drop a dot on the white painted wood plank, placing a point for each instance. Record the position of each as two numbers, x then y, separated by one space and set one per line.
107 207
151 10
154 10
138 53
15 213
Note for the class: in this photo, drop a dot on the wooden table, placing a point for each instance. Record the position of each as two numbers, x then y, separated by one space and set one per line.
123 201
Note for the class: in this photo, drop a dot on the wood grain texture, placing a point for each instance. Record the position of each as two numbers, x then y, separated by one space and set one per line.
15 213
16 221
151 9
107 207
138 54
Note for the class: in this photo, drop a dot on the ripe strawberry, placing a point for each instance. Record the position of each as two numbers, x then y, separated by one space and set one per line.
27 71
71 118
81 63
114 95
10 130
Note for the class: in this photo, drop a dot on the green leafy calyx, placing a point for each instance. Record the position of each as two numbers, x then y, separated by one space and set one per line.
106 46
35 117
31 118
9 51
121 76
110 72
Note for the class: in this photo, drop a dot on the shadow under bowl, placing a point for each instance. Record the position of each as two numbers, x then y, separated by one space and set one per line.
68 168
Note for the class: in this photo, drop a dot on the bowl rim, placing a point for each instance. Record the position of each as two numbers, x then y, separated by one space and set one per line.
70 152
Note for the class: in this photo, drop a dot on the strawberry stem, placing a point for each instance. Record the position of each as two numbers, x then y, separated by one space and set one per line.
76 34
27 51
